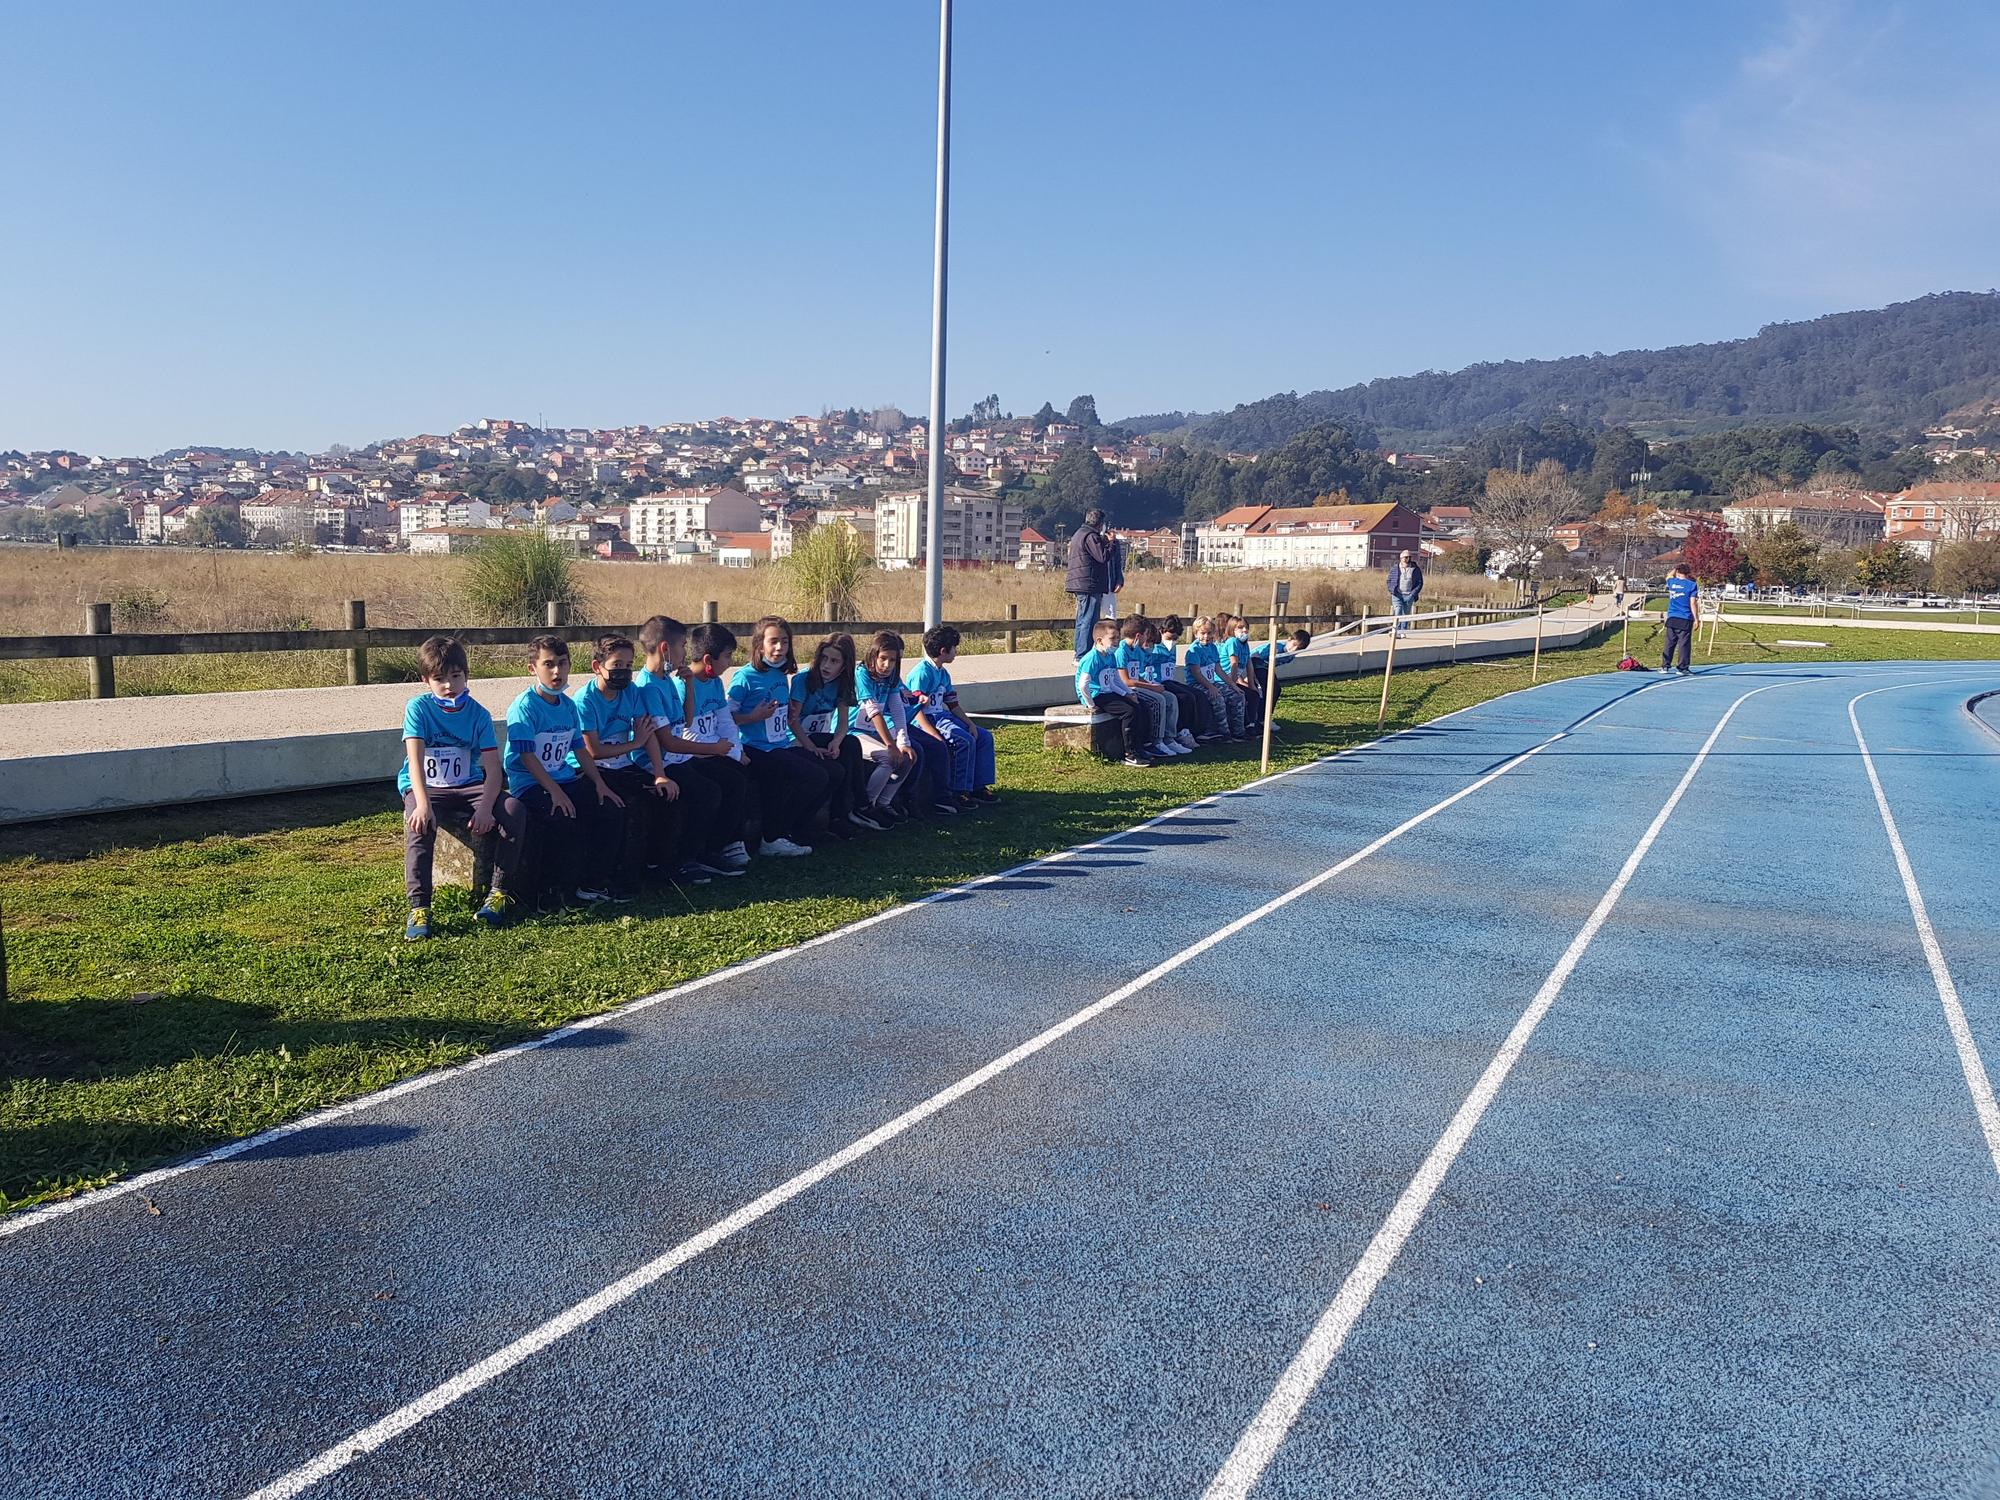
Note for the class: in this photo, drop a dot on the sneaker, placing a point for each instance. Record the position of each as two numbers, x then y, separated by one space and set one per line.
498 907
781 849
1139 762
945 806
886 814
711 868
986 795
734 856
1687 672
692 873
840 828
1209 739
419 926
863 820
591 897
621 895
1187 740
964 801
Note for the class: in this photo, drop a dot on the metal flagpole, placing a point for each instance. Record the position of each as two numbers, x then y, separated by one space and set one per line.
934 507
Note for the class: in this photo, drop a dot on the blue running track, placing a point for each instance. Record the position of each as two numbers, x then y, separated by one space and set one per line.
1728 1225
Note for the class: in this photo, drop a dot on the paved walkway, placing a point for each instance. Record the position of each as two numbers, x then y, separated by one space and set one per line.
122 753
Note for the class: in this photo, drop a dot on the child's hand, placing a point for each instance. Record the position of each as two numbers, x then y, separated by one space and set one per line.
420 818
559 803
664 786
763 713
482 818
605 793
713 747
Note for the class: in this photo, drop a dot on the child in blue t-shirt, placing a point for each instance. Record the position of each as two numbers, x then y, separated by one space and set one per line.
710 806
937 714
1232 638
793 783
822 714
576 819
1260 666
451 772
882 731
1683 618
1101 685
1204 673
1163 714
1190 708
618 737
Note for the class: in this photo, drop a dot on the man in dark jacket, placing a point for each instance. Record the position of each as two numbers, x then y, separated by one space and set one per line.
1089 575
1406 586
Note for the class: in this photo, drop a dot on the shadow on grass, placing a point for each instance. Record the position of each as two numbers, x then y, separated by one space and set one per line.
281 812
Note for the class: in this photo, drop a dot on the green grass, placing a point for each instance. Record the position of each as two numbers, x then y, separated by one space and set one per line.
185 977
1843 612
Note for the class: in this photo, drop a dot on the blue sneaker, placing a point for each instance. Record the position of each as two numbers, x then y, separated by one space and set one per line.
498 907
419 926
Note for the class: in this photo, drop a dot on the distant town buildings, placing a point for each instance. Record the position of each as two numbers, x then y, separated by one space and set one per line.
975 526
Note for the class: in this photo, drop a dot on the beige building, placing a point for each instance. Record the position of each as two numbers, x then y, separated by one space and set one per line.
654 523
976 526
1841 518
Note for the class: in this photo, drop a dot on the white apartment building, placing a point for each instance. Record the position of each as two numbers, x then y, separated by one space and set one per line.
1349 537
654 523
1842 518
455 510
975 526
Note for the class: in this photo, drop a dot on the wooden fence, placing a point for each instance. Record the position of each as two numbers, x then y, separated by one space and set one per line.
101 646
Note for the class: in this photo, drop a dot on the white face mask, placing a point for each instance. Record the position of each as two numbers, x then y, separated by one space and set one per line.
1242 635
1170 641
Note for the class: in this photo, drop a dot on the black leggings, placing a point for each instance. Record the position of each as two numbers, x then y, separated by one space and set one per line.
849 776
730 781
792 785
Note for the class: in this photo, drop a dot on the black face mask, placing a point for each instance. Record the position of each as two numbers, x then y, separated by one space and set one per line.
619 678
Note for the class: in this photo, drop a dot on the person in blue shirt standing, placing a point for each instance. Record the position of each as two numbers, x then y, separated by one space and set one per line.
451 770
1683 617
938 715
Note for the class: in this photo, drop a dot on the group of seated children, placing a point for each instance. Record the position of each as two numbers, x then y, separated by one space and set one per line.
1166 708
659 769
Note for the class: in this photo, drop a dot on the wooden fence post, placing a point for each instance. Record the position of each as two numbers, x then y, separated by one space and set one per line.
1536 674
357 656
1456 610
556 615
708 612
1388 666
1270 682
103 675
1013 636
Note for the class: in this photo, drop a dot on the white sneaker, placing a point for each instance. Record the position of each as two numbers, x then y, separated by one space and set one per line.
1163 750
782 848
1187 740
734 854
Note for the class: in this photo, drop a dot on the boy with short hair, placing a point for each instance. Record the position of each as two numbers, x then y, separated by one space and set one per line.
1101 686
707 721
1260 667
1190 708
1162 715
937 714
711 807
451 771
618 734
577 820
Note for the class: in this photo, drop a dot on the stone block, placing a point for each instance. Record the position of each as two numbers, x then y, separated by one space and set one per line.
1076 730
463 859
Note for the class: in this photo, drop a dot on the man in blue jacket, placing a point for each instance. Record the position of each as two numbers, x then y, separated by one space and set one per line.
1683 617
1090 554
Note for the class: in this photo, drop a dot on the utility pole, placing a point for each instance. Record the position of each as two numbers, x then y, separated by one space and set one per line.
934 509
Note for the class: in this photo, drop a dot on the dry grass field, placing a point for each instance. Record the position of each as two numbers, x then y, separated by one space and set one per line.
44 592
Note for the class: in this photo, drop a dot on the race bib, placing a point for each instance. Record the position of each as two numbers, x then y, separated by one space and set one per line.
1107 681
817 723
778 728
448 766
704 726
620 760
552 747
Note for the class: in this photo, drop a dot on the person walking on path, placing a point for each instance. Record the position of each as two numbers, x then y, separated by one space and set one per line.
1089 578
1683 617
1406 586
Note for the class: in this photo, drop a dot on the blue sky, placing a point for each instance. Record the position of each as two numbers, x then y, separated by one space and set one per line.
285 226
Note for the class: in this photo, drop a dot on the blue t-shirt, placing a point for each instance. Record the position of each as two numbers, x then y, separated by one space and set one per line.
930 685
1163 662
1235 657
711 720
1284 652
664 705
545 729
1680 598
1097 675
819 705
751 688
1136 660
1200 656
452 740
875 695
615 722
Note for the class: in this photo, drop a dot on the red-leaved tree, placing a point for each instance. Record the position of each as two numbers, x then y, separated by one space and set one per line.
1711 552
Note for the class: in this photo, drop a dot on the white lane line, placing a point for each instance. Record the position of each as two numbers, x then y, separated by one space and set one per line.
1259 1444
440 1396
1969 1062
15 1223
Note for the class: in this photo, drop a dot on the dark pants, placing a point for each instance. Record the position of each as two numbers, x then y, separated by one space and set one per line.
576 853
792 785
1680 635
1133 721
454 806
1195 714
729 780
653 825
930 783
1088 607
850 776
1262 672
1253 698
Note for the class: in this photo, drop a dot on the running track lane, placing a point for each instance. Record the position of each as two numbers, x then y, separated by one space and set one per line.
1729 1228
287 1296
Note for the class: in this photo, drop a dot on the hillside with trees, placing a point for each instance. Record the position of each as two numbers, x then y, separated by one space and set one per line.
1891 369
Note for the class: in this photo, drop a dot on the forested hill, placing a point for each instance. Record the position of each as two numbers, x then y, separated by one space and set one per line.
1898 367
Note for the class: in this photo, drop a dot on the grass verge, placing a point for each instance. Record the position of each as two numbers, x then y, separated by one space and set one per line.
190 976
